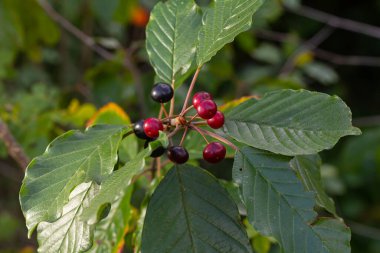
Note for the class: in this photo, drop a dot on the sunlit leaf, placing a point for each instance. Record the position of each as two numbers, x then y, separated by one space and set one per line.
222 22
291 122
71 159
172 35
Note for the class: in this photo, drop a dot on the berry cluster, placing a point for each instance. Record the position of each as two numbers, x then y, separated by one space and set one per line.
206 109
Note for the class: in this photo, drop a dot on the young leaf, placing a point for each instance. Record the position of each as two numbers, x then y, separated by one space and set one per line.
71 159
291 122
278 206
118 181
191 212
68 234
222 22
308 170
172 35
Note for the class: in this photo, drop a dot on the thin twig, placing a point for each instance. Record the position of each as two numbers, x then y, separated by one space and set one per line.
91 43
164 110
160 113
367 121
200 132
172 101
364 230
65 24
215 136
337 22
199 123
13 147
348 60
184 136
187 110
311 44
185 104
334 58
177 128
193 118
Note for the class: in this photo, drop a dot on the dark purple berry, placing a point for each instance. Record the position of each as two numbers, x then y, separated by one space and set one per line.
162 92
178 154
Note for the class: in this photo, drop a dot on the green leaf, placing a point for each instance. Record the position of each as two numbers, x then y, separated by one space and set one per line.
71 159
278 206
109 233
191 212
119 180
68 234
291 122
222 22
308 170
172 35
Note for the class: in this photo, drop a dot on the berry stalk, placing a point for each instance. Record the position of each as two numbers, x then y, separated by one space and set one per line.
186 103
215 136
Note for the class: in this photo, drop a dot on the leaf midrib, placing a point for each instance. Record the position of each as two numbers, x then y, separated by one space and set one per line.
76 212
217 36
235 121
182 191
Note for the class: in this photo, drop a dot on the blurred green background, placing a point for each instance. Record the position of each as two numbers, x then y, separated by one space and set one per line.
50 82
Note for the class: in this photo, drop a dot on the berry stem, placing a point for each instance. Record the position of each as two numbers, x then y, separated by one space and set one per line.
216 136
187 110
172 102
184 136
200 132
160 113
200 123
164 110
193 118
190 89
177 128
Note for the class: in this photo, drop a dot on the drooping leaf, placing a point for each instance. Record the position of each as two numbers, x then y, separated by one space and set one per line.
278 205
71 159
308 170
109 232
68 234
119 180
222 22
172 35
291 122
191 212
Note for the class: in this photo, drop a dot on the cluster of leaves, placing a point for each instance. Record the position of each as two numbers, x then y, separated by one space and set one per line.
77 194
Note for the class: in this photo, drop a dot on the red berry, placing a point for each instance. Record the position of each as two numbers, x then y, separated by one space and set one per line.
214 152
152 127
178 154
217 121
199 97
207 109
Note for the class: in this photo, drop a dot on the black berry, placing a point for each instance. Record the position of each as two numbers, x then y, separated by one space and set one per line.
138 128
157 152
178 154
162 92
